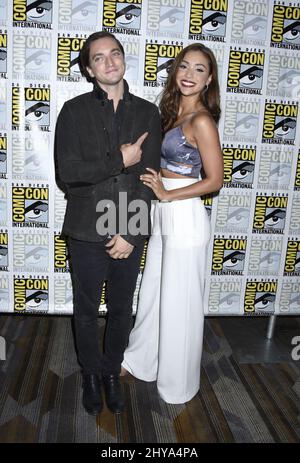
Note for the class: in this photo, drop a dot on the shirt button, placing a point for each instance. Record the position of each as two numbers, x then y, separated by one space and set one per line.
115 179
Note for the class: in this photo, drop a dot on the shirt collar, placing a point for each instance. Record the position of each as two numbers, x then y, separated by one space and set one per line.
102 94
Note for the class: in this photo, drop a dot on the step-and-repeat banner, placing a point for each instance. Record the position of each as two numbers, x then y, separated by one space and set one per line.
254 255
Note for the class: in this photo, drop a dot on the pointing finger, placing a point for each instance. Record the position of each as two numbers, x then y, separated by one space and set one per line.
141 139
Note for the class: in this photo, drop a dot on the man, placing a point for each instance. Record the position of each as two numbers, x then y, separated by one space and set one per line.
104 141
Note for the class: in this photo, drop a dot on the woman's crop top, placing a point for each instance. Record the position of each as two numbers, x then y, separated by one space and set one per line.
178 155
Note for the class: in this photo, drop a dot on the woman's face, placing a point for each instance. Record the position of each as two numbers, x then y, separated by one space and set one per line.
193 73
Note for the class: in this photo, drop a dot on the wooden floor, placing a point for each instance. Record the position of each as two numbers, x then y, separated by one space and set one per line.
250 388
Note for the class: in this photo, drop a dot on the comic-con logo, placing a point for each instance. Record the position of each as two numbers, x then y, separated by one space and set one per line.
78 14
3 13
286 27
241 120
31 57
249 22
265 255
239 165
30 156
143 258
136 293
65 93
280 120
245 71
132 52
297 174
275 167
30 206
260 297
103 298
61 262
59 208
3 55
166 18
31 294
2 105
295 215
3 250
68 49
224 296
3 156
30 251
289 296
3 205
37 108
233 212
63 294
4 292
219 52
32 13
228 256
208 203
292 258
139 278
283 75
35 112
150 94
122 17
270 213
158 60
208 20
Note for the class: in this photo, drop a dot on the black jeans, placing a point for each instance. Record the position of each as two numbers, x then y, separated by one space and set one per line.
90 266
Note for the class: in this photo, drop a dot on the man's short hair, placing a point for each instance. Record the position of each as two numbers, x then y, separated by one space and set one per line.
84 56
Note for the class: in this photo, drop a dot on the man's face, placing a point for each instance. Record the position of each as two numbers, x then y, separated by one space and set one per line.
107 63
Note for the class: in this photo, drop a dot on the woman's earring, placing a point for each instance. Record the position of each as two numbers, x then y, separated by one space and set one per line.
205 89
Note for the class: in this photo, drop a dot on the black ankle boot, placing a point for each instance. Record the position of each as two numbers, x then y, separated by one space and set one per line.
91 397
113 393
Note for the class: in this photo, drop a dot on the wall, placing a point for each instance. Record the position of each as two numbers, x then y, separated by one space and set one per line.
254 255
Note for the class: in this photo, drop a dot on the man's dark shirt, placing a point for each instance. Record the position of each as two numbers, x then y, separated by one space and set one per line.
90 165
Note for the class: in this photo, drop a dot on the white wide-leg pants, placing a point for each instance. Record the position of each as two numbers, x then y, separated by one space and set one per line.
166 341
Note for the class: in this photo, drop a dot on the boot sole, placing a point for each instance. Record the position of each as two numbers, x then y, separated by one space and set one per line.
93 412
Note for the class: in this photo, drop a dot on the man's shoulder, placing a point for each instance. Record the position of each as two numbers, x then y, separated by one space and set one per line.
79 99
145 104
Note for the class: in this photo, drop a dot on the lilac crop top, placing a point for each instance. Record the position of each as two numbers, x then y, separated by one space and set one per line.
178 155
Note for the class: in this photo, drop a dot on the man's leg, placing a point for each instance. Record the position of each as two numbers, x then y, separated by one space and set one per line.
121 285
89 265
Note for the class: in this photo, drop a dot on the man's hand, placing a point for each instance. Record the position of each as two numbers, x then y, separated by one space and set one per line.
132 152
119 248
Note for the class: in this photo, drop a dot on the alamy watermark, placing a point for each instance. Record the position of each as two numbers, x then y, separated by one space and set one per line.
126 217
296 350
2 348
133 217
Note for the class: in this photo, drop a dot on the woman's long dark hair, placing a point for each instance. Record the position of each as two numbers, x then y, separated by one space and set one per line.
210 97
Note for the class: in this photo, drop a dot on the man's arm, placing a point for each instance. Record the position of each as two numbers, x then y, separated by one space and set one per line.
73 171
151 154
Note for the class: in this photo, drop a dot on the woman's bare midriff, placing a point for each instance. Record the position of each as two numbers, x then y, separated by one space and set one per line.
168 174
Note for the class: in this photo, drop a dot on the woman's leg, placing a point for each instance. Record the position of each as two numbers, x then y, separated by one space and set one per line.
140 357
181 309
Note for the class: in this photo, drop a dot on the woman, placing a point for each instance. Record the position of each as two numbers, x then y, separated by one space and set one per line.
166 342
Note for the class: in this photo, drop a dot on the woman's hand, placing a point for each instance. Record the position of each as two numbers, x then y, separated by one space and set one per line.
153 181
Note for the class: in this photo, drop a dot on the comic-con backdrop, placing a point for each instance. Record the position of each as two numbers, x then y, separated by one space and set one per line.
254 254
